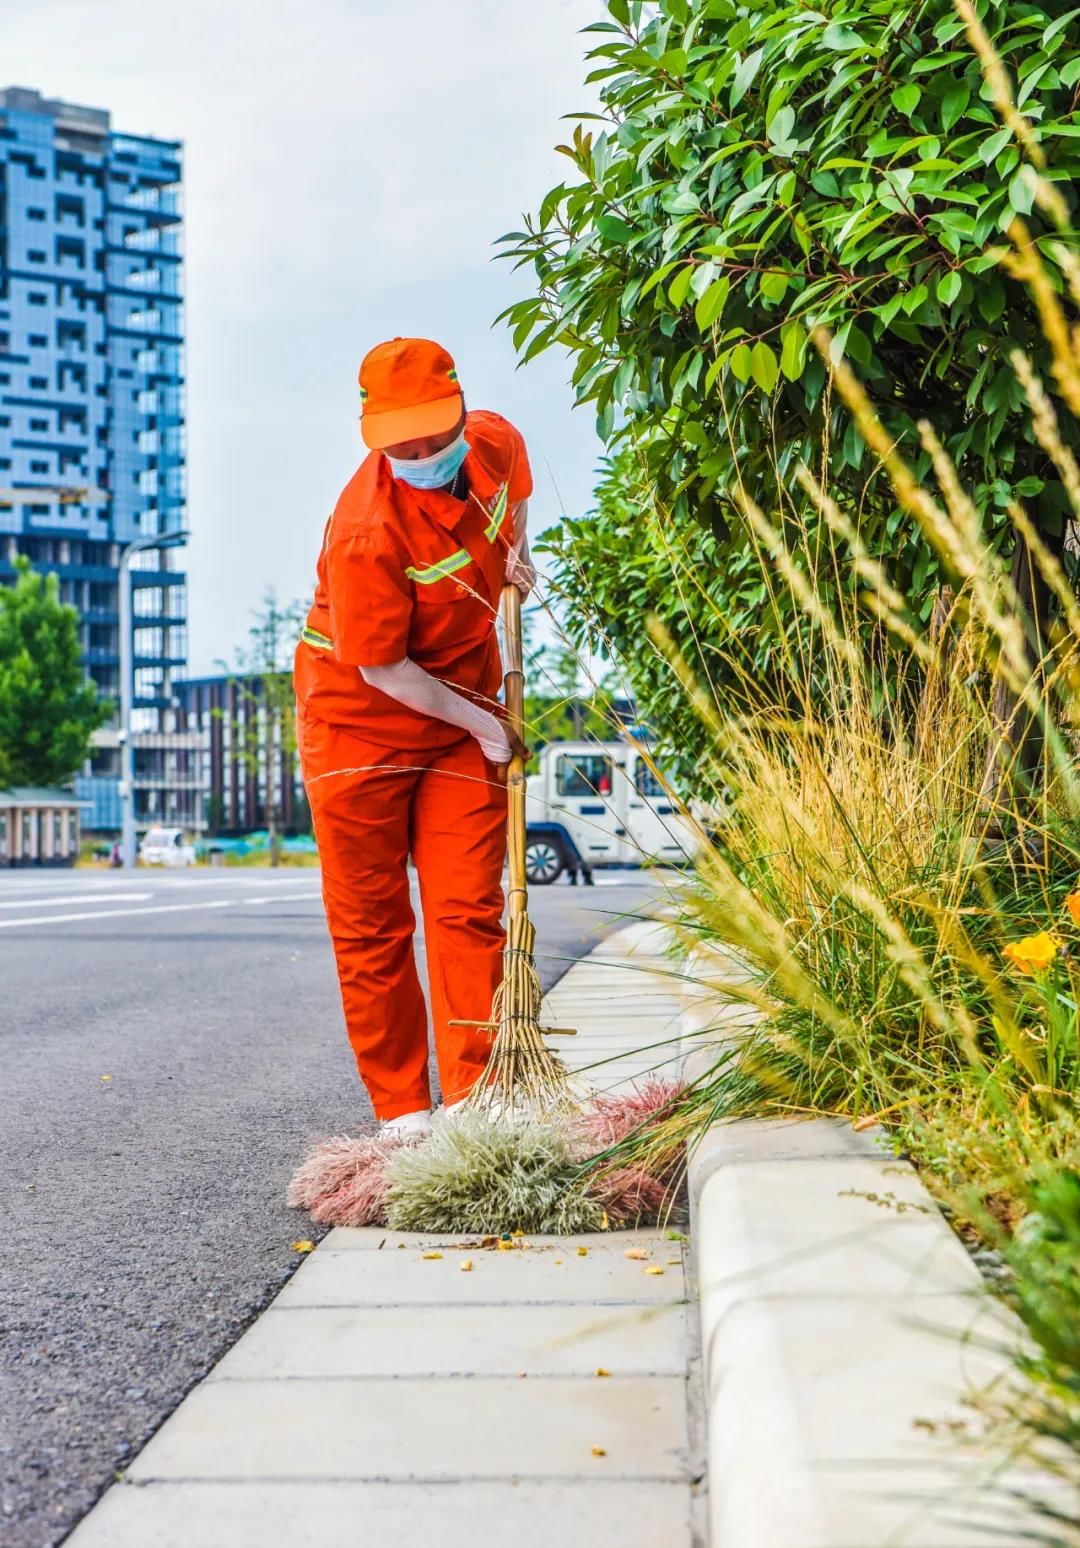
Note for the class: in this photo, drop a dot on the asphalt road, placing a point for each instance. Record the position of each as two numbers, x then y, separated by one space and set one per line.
170 1045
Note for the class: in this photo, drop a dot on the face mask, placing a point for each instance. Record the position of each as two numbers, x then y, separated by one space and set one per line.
432 472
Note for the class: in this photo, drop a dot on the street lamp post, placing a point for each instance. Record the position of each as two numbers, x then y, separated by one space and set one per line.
127 688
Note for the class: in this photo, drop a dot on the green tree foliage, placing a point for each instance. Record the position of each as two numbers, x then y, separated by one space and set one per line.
559 705
48 709
622 563
760 168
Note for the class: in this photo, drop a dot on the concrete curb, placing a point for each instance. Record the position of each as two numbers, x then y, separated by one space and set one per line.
846 1335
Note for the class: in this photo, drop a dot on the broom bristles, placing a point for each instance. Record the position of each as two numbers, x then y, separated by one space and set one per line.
522 1073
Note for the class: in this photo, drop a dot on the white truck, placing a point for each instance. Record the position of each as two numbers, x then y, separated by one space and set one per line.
599 804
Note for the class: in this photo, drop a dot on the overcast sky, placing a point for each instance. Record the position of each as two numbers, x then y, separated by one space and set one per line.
348 165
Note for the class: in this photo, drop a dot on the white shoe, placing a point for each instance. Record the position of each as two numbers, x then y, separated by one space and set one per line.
408 1125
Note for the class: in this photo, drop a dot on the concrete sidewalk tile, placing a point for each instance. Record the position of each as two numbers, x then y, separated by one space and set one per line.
349 1515
860 1226
461 1340
424 1430
547 1274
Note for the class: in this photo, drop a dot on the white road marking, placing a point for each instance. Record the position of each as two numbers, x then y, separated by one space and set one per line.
157 908
51 901
115 913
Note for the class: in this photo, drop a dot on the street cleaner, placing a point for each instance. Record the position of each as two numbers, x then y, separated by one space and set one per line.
403 748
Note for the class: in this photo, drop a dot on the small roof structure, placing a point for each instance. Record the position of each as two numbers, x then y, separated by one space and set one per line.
38 795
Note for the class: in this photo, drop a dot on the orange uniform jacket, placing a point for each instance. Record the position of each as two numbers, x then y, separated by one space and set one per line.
407 572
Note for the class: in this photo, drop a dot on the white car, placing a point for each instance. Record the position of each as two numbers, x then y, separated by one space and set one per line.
594 805
166 846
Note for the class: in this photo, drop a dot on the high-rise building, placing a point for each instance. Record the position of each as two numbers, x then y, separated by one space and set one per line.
92 450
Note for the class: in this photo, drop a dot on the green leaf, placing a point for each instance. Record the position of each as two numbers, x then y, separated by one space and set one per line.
888 309
711 304
744 75
914 298
1030 486
739 361
991 148
905 99
774 284
1057 27
680 285
990 295
842 39
780 126
858 346
1021 192
956 98
949 286
612 229
763 366
680 201
792 350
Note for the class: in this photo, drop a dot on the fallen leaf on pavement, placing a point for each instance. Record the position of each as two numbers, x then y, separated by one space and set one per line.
653 1268
465 1266
637 1253
432 1255
600 1371
599 1451
583 1252
303 1246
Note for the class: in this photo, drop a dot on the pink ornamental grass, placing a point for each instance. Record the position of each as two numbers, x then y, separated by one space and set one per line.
612 1119
342 1181
630 1196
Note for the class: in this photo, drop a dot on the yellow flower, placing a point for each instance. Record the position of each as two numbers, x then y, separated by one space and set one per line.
1072 903
1033 954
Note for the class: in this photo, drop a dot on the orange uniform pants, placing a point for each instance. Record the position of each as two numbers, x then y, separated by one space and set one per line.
447 811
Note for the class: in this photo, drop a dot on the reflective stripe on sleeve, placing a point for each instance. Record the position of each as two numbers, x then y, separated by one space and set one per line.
498 511
313 637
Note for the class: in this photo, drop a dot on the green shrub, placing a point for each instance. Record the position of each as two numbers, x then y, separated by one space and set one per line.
761 167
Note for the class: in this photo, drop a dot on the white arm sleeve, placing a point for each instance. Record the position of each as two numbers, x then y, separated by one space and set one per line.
409 684
520 571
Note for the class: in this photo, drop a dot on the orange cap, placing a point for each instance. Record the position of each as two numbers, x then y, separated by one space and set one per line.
409 388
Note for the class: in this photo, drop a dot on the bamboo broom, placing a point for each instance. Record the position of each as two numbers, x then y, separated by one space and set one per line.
522 1074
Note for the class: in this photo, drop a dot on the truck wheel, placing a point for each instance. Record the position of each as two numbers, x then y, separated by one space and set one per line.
543 862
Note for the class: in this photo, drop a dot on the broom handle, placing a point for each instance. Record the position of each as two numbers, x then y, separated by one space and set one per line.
514 683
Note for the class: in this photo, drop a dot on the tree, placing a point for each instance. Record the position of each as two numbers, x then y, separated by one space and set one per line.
613 569
48 709
264 721
560 706
761 169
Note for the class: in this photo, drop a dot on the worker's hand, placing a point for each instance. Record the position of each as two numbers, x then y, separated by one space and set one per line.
517 750
520 571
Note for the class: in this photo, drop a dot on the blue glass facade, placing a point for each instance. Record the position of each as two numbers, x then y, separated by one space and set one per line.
91 381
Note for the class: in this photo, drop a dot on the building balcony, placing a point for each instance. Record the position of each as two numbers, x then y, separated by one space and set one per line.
159 620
